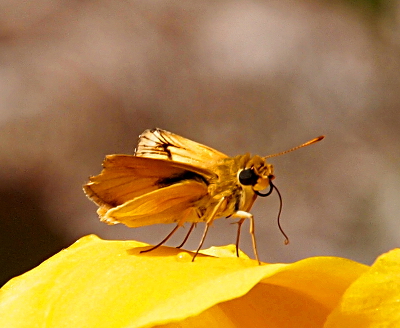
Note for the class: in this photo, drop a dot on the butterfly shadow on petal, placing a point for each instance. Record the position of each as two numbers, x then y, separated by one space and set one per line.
158 252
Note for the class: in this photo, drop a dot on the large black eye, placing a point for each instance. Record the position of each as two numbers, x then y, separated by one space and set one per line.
248 177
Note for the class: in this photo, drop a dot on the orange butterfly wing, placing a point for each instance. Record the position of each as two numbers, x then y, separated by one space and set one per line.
169 204
128 181
162 144
159 184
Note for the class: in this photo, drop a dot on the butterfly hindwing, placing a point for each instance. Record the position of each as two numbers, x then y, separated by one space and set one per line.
125 178
167 205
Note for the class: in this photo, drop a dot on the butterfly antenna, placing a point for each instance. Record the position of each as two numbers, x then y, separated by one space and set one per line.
279 213
297 147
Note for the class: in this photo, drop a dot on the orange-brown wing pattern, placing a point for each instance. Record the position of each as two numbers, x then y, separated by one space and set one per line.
161 183
161 144
125 177
167 205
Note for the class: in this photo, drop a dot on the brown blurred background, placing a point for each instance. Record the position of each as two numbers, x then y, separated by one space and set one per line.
82 79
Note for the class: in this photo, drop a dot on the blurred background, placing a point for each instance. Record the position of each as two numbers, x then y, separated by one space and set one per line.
82 79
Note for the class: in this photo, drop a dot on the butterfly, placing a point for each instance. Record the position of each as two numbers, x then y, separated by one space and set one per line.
171 179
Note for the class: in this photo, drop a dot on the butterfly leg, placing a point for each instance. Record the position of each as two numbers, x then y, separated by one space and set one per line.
208 224
162 241
180 224
187 235
239 223
243 216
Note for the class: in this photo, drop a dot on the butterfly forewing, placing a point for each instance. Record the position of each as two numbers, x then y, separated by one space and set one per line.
161 144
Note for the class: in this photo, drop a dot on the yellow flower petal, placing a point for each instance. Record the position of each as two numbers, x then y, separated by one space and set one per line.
373 300
97 283
223 251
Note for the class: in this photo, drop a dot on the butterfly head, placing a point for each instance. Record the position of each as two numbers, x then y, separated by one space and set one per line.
257 174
